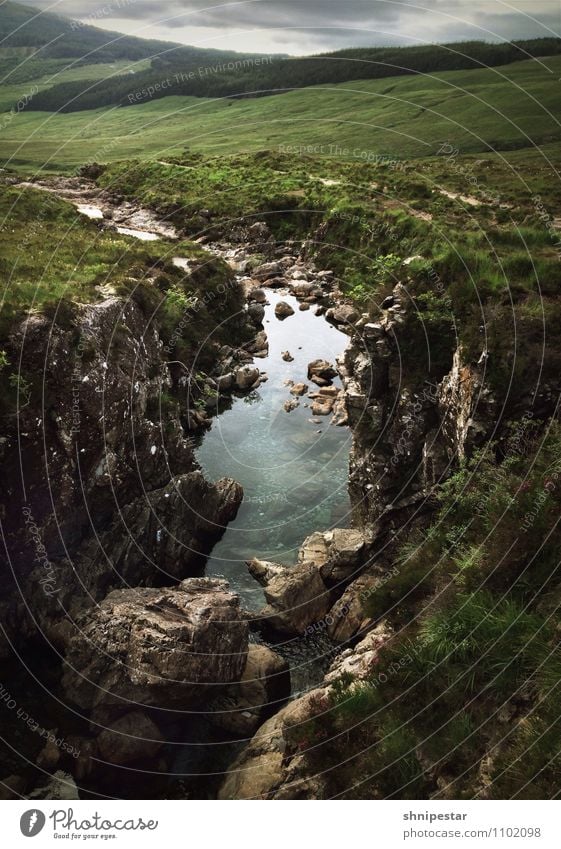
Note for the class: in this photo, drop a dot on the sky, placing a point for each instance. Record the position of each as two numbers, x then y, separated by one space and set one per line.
311 26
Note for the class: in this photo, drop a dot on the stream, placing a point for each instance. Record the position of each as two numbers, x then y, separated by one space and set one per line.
293 466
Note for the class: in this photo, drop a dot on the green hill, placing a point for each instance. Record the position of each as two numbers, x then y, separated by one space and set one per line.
40 50
512 107
277 74
55 37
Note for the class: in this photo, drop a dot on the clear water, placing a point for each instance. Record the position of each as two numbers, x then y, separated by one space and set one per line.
293 470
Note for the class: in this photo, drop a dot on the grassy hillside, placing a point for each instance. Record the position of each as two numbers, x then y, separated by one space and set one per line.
38 75
278 75
507 108
40 50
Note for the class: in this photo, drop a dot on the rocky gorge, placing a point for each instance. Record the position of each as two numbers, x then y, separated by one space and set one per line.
109 568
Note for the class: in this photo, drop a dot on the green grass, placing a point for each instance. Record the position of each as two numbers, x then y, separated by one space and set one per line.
509 107
476 661
496 262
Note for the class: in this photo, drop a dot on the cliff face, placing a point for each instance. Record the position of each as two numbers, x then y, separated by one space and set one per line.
413 425
101 485
412 420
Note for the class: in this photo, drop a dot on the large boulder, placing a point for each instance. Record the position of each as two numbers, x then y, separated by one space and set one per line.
166 648
338 554
161 537
343 314
296 596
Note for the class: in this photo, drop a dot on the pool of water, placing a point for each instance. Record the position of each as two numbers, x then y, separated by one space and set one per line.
293 466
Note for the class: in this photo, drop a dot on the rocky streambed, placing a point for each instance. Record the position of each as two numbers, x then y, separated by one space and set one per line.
175 679
181 661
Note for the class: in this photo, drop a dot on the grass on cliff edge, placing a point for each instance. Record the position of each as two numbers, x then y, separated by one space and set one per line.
464 698
514 106
54 260
465 235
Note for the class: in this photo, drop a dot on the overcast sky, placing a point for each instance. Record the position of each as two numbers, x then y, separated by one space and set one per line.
310 26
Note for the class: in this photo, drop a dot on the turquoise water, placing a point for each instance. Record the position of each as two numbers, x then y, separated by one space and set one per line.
294 471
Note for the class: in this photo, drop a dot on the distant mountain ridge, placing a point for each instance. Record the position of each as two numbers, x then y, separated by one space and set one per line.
56 36
181 70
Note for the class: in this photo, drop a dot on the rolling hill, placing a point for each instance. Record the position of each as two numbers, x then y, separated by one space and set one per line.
512 107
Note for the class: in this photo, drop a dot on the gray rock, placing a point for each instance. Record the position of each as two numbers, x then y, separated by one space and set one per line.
322 370
296 596
131 738
167 648
283 310
246 377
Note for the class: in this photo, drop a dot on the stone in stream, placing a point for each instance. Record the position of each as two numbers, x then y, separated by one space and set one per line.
287 357
296 596
343 314
303 307
301 288
299 389
247 377
321 370
283 310
257 295
291 405
322 406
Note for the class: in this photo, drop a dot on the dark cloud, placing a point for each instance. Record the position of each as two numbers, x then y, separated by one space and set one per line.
311 25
